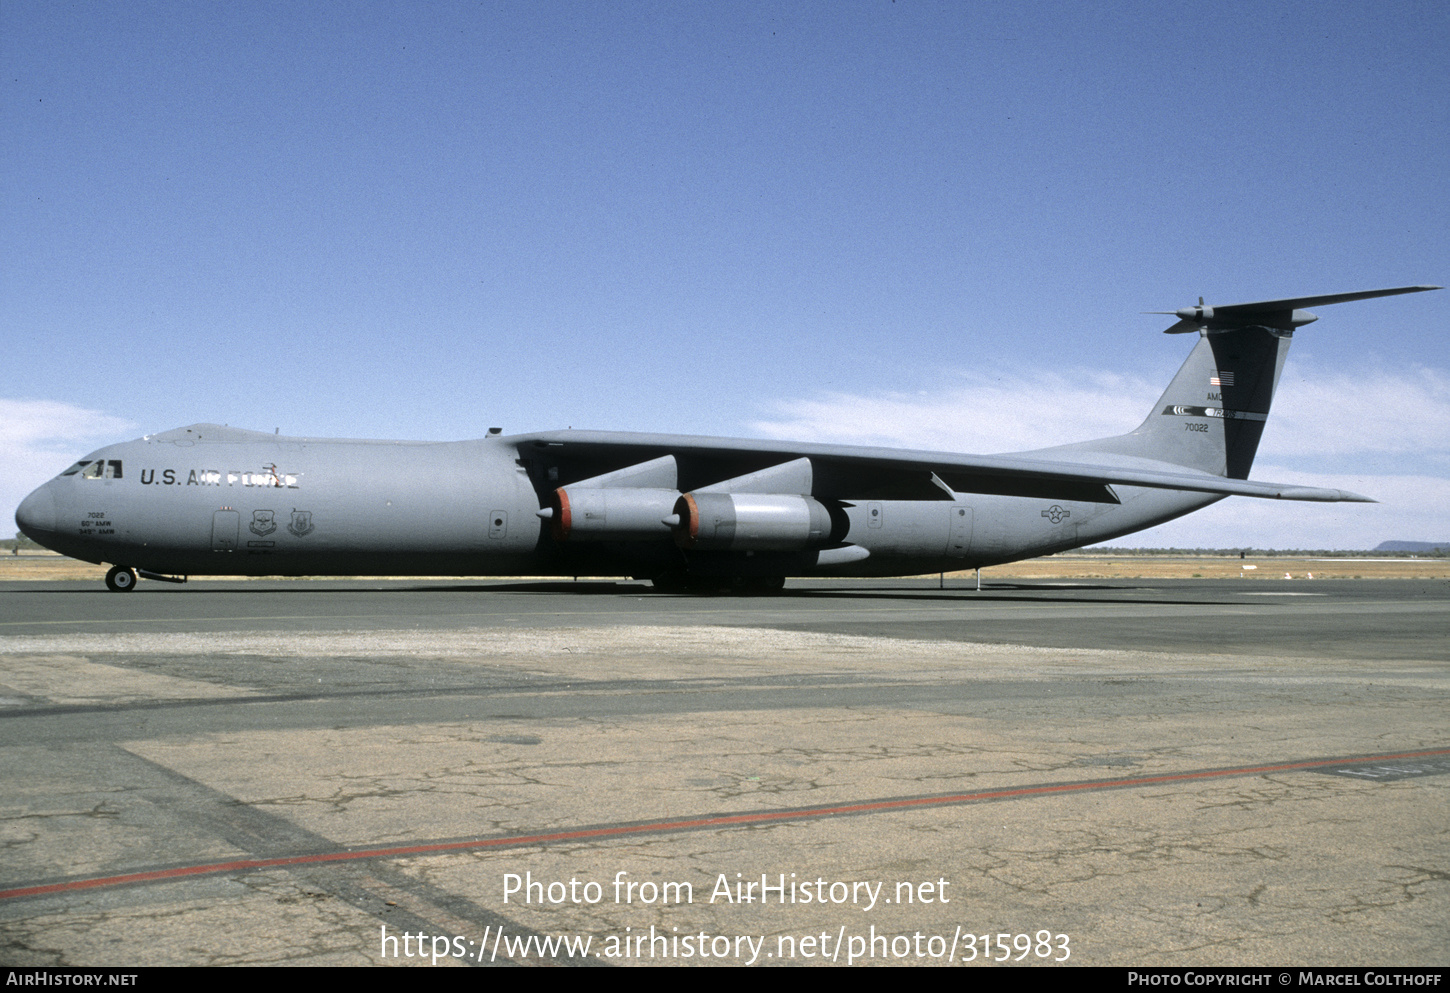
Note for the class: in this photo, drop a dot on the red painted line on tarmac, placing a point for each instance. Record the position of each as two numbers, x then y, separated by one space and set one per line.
656 827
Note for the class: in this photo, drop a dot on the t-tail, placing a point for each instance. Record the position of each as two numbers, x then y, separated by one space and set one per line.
1213 413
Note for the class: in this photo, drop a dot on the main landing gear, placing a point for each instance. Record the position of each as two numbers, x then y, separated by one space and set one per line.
121 579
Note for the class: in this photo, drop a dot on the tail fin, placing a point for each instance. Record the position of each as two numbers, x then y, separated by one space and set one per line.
1213 413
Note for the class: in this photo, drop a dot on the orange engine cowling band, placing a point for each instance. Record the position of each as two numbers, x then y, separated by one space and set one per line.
774 522
610 513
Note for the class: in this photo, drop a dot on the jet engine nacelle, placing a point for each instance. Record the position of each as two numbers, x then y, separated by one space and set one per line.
742 522
610 514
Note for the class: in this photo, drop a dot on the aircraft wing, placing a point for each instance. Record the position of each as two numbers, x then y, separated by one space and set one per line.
853 472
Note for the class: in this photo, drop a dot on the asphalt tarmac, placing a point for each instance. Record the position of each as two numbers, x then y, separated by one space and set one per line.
1086 772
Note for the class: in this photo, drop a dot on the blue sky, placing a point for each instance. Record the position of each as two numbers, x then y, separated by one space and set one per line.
931 224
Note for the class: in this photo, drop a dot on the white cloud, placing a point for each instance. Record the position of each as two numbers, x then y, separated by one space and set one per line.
1334 413
50 422
39 438
1004 413
1318 413
1315 413
1410 508
1384 416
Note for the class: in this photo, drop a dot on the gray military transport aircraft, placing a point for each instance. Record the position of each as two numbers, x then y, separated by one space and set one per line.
687 512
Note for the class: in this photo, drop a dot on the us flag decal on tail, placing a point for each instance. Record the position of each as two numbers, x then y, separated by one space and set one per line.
1222 379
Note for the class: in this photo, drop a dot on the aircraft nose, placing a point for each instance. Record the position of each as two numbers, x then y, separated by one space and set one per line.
36 513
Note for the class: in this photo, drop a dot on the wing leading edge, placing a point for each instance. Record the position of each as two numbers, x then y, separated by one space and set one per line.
846 471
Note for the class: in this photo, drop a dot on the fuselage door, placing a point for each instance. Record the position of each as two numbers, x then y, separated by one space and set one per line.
225 526
498 524
960 541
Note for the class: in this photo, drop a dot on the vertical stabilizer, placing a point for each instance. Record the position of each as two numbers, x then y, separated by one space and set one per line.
1212 415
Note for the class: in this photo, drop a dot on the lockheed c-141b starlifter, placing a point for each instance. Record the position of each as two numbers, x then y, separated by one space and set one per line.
686 512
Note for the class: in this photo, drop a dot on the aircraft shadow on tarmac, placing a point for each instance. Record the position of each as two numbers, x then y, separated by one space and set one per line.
996 593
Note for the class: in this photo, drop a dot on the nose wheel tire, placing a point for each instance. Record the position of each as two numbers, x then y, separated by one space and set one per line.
121 579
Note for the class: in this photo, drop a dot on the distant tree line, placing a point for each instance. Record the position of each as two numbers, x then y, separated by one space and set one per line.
1261 553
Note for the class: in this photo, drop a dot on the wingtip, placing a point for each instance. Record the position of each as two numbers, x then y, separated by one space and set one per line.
1314 494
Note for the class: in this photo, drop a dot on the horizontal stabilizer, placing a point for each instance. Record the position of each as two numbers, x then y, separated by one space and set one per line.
1285 314
1293 303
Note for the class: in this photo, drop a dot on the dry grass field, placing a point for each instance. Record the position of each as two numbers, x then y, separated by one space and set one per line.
1219 567
48 566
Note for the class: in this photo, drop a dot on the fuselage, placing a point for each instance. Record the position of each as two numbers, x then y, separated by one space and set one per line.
208 500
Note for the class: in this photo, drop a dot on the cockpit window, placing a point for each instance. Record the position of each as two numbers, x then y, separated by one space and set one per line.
76 468
99 469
